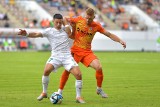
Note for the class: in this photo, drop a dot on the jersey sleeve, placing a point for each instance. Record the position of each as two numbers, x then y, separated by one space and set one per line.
100 28
45 32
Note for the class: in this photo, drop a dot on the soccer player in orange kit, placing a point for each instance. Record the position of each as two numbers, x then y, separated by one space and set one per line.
84 32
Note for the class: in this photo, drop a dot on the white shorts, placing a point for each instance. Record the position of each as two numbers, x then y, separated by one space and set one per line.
62 59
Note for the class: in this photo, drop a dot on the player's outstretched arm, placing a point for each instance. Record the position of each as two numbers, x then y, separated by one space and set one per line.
115 38
27 34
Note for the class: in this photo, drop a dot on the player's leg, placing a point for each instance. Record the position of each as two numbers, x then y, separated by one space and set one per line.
95 64
45 80
65 76
78 83
63 81
72 67
92 61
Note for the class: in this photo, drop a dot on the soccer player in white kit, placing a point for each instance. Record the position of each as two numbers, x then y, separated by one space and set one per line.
58 37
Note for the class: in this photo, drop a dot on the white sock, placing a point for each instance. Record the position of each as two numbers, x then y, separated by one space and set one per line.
60 91
78 85
45 81
98 88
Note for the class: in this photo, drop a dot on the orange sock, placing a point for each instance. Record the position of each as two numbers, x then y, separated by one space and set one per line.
63 79
99 77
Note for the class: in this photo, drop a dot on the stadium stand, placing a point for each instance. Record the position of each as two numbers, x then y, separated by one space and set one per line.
18 17
114 15
152 8
114 10
70 8
7 20
110 13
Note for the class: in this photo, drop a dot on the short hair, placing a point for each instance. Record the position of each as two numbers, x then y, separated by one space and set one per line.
90 11
57 16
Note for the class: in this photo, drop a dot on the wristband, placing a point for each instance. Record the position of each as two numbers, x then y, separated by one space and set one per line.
27 34
66 26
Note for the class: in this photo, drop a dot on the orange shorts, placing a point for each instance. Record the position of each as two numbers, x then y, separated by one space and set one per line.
85 59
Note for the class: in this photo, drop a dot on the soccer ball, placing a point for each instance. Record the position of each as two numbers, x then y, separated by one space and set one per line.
56 98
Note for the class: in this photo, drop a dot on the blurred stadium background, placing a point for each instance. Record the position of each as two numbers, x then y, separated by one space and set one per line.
135 21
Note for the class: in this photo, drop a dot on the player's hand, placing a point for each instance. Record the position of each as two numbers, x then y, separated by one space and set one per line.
65 20
22 32
123 44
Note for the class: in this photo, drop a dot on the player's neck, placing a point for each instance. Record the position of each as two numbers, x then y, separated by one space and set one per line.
89 23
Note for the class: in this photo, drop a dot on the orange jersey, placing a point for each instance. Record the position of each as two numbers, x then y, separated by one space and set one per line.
84 34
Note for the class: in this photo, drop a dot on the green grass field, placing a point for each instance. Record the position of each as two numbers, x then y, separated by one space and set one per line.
131 79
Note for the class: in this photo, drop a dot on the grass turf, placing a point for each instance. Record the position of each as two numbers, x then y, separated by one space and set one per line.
131 79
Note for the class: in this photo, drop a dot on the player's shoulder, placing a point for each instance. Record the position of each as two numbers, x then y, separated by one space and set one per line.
48 29
95 23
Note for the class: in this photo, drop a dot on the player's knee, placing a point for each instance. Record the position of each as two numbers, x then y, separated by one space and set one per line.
46 72
78 76
98 67
76 72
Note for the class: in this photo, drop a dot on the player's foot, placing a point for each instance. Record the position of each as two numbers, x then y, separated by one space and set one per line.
101 92
80 100
43 95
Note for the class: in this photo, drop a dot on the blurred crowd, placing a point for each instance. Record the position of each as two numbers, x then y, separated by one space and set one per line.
112 9
14 16
10 42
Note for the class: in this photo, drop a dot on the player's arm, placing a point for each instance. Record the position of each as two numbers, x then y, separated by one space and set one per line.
73 25
67 27
31 35
115 38
72 22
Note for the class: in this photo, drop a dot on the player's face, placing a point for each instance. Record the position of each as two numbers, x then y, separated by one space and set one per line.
58 23
89 18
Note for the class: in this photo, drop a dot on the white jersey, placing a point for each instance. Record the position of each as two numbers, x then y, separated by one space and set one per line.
58 39
61 55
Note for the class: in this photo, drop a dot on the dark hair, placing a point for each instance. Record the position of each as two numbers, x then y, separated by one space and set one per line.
57 16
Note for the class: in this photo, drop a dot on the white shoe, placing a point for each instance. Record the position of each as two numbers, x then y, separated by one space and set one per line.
43 95
80 100
101 92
